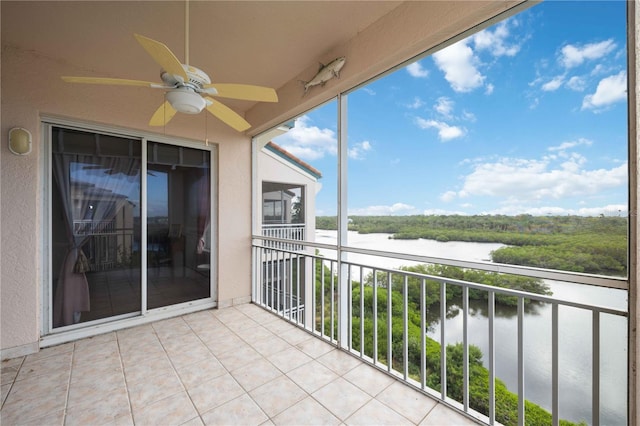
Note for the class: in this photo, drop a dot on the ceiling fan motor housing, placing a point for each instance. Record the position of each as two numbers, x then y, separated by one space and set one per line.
186 100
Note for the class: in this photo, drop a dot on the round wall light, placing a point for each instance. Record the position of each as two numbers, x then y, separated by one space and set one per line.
19 141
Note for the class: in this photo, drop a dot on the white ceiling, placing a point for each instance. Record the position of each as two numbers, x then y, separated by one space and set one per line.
254 42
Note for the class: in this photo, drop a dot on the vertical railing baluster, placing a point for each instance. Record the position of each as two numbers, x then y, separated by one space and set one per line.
333 302
492 358
280 272
310 312
389 324
555 366
349 308
298 275
595 369
521 400
405 326
361 312
423 335
271 272
465 348
322 299
443 342
375 317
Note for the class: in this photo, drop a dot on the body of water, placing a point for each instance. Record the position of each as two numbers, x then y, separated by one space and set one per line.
575 340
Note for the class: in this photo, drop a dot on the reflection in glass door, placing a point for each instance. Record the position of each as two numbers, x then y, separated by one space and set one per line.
95 242
178 224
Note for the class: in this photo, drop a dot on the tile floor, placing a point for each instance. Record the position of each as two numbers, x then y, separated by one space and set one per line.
239 365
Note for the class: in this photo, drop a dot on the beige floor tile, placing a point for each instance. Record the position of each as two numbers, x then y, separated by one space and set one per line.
8 374
194 374
240 411
294 336
312 376
270 345
174 410
289 359
254 333
306 412
153 366
376 413
277 395
214 334
238 358
369 379
341 398
50 351
227 343
99 410
256 374
411 403
20 408
36 386
142 353
99 353
314 347
154 389
4 391
215 392
180 342
443 415
167 329
95 341
52 364
245 323
52 419
93 389
196 421
189 355
339 361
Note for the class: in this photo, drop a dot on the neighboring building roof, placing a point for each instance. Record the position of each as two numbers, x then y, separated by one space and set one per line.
282 153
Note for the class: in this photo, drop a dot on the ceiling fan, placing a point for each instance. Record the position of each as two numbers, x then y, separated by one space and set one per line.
188 88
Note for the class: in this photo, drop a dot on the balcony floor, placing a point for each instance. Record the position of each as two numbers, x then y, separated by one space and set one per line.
239 365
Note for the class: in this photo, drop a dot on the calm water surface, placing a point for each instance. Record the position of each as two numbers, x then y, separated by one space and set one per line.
574 335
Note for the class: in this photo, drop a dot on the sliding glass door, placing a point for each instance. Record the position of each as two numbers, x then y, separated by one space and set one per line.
178 226
116 207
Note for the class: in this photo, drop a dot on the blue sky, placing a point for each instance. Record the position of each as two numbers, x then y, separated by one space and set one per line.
527 116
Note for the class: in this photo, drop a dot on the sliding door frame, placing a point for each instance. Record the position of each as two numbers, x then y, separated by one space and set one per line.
53 336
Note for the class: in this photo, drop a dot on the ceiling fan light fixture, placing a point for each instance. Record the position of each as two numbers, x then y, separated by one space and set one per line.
186 101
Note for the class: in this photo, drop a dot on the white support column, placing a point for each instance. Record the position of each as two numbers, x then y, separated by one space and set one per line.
344 320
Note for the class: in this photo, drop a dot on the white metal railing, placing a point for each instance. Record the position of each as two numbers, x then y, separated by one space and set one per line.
362 291
88 227
284 231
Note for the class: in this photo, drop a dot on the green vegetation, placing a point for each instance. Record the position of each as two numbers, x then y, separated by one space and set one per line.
596 245
506 401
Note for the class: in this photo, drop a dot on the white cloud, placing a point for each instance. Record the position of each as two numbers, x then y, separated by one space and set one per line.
448 196
570 144
526 180
358 151
417 103
416 70
489 89
574 55
444 106
459 66
577 84
610 90
495 41
445 131
398 209
308 142
369 91
516 209
554 84
469 116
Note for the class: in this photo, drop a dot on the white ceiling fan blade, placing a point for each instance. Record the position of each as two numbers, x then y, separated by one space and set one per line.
162 115
110 81
243 91
163 56
227 115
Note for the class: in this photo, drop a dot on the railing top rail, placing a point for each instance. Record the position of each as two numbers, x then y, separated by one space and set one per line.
483 287
567 276
283 225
